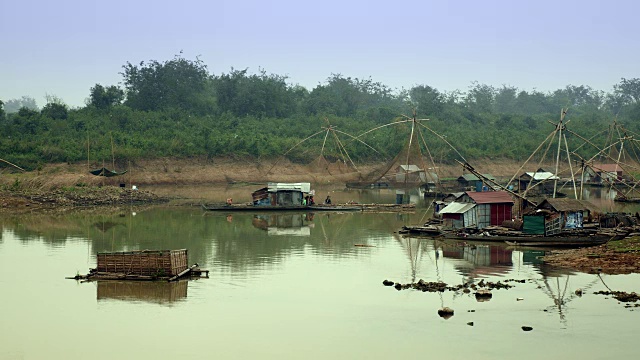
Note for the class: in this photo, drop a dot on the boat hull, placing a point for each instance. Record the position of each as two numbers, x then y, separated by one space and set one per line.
542 241
268 208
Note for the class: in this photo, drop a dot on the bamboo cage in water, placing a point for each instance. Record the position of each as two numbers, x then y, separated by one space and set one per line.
164 263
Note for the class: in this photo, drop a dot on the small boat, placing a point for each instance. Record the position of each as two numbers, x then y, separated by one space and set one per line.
427 230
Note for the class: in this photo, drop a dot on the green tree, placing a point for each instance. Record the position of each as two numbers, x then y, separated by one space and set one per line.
506 100
178 83
428 101
480 97
55 108
261 95
629 89
105 97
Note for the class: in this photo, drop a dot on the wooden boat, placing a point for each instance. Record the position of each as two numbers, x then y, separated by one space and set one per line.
568 239
337 207
268 208
427 230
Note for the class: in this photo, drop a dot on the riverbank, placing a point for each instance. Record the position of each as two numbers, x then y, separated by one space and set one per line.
226 170
73 197
615 257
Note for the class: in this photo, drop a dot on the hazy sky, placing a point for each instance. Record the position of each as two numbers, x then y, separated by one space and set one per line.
65 47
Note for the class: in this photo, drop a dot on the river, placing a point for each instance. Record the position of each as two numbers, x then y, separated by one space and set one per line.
288 286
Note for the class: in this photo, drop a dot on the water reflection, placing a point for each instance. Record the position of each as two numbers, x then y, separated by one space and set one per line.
305 286
157 292
294 224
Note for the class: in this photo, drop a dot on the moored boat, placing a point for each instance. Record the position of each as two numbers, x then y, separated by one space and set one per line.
268 208
426 230
565 239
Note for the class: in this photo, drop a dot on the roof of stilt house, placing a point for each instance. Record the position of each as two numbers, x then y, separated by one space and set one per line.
457 208
472 177
567 205
611 168
490 197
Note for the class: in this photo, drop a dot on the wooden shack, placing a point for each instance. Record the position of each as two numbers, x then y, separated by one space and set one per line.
156 263
539 182
459 215
473 182
603 173
566 213
492 207
281 194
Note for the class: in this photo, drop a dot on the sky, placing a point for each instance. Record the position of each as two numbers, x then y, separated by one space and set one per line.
63 48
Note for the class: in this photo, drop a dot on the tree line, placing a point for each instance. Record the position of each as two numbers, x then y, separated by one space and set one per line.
177 108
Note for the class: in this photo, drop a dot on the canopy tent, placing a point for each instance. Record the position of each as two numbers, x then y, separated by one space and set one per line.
106 172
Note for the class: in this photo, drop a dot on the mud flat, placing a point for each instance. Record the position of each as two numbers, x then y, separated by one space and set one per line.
615 257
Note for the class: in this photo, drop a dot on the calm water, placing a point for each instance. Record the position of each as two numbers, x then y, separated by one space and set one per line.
289 286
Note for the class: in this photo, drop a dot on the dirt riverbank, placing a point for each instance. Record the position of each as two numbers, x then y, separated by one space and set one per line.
220 171
615 257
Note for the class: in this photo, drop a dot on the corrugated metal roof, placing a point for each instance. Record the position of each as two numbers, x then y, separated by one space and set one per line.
457 208
490 197
607 168
410 168
566 204
303 187
539 176
472 177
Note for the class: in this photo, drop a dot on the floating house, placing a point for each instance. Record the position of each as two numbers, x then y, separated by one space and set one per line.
471 181
478 209
603 173
451 197
555 215
492 207
458 215
438 205
530 179
411 174
281 194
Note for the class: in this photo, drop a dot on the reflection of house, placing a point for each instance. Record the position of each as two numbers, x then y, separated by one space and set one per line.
281 194
531 179
480 260
603 173
472 181
554 215
284 224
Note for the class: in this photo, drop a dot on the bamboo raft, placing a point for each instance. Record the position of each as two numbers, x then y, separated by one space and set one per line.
146 265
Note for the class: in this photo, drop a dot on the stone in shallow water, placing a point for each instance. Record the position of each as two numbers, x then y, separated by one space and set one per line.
445 312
